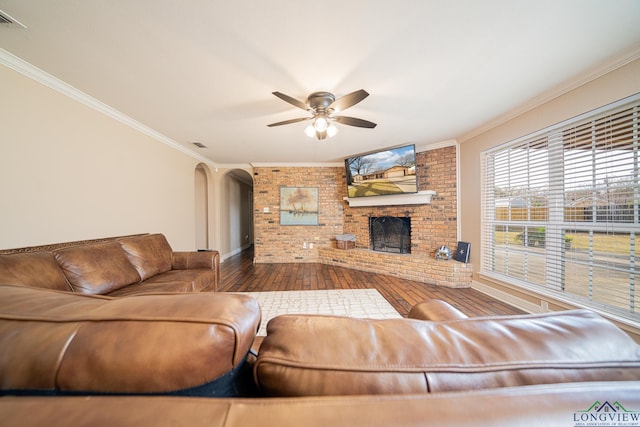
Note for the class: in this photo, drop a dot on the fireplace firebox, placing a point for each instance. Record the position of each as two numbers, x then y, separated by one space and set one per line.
390 234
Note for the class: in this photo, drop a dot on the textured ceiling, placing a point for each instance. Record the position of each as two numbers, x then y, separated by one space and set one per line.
204 70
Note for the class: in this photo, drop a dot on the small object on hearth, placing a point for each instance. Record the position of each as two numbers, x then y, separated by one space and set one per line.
443 252
462 253
345 241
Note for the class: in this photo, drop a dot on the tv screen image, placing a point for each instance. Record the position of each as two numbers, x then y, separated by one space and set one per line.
382 173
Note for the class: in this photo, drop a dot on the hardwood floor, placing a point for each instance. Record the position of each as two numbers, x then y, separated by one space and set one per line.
239 274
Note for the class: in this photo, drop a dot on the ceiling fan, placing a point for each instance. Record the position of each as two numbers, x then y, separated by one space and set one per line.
323 107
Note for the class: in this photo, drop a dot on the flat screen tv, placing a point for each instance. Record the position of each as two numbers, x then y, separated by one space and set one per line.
382 173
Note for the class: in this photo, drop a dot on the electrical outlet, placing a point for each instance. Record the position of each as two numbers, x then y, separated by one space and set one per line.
310 245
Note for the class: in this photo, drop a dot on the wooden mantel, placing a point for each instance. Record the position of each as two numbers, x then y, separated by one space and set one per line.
419 198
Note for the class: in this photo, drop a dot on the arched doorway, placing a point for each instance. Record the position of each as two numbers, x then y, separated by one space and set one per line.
201 183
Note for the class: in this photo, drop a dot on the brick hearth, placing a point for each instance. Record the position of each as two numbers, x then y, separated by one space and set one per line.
421 268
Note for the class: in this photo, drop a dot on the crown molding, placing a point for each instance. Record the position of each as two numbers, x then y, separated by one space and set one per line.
556 92
23 67
296 165
436 145
232 166
419 148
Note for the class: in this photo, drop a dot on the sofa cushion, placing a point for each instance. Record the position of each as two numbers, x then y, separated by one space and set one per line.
145 344
200 279
145 287
194 280
96 269
37 269
150 254
327 355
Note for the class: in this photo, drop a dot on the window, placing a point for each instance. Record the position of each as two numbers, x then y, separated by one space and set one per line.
560 210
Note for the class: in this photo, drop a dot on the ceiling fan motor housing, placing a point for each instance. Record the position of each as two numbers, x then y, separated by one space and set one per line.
320 101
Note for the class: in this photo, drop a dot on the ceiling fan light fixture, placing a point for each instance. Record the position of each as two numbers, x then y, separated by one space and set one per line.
321 123
332 130
329 132
310 131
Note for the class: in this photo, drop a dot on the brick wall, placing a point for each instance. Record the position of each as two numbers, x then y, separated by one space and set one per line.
276 243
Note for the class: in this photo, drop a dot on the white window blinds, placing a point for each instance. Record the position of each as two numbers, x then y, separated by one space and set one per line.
560 210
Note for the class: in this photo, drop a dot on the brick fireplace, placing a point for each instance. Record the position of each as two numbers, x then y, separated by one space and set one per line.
432 224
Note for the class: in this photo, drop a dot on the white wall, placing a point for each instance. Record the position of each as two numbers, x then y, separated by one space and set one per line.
68 172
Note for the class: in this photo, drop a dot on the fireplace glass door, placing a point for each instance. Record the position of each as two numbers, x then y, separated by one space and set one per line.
390 234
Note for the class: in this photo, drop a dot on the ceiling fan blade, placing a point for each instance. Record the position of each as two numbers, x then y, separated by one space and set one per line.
352 121
349 100
291 100
288 122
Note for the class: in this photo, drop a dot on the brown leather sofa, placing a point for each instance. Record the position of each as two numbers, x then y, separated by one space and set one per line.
115 267
65 327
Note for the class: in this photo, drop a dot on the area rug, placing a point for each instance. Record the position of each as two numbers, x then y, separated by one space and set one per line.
359 303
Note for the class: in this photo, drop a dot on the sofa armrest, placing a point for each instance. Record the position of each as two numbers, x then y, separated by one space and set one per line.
204 259
435 310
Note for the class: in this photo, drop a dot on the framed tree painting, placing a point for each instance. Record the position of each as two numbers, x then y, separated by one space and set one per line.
298 206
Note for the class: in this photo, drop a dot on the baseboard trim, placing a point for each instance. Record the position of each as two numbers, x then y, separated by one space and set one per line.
234 252
507 297
529 307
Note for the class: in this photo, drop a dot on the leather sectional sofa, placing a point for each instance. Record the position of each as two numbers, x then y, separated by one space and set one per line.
84 346
124 315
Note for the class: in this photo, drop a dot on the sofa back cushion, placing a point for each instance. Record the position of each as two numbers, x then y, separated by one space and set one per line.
150 254
327 355
37 269
96 269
